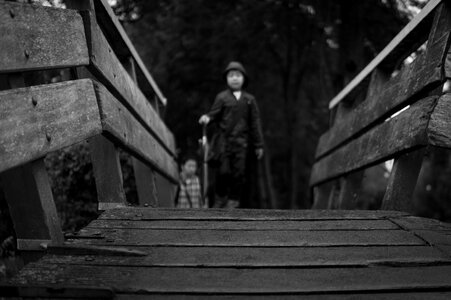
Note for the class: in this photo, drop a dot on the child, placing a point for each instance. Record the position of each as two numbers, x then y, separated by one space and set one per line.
189 193
236 113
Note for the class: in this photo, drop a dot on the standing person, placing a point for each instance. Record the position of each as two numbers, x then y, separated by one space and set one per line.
239 128
189 194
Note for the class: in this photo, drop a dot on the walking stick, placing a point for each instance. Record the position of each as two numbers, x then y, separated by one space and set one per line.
205 163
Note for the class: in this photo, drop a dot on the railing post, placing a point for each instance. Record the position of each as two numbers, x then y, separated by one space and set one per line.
30 199
402 182
104 154
144 175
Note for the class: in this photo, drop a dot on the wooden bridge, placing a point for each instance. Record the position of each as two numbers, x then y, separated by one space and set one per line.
109 98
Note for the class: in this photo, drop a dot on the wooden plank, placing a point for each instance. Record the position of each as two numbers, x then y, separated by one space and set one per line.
107 172
58 42
263 257
31 206
386 99
230 280
145 184
439 239
120 124
29 197
409 30
381 295
144 176
413 223
402 182
123 46
37 120
439 129
51 291
109 71
166 191
132 213
321 194
402 133
350 189
246 238
247 225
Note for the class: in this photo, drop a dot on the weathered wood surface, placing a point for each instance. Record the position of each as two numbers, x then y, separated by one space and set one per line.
108 69
37 120
144 175
425 71
107 172
413 33
246 238
124 48
242 280
402 181
402 133
245 253
439 129
261 257
119 123
247 225
245 214
59 41
400 295
29 196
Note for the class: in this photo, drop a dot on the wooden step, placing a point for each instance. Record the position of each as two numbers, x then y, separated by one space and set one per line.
228 254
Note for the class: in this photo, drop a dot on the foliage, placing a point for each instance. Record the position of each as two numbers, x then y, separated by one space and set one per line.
298 53
73 186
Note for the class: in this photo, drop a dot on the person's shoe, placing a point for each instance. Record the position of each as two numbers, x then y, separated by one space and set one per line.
231 204
220 202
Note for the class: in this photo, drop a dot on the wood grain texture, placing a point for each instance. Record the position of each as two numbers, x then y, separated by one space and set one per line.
246 225
132 213
402 181
63 114
31 206
394 295
424 72
144 176
402 133
109 71
413 223
107 172
59 41
255 257
123 47
120 124
226 280
439 129
246 238
350 189
317 262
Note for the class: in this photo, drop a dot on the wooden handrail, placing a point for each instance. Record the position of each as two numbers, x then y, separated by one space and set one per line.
403 35
122 44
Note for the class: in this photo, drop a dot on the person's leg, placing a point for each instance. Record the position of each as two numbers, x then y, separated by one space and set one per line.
238 166
222 183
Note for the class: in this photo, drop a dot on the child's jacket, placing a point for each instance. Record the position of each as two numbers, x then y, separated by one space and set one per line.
248 127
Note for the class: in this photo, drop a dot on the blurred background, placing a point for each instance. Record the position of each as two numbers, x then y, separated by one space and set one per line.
298 55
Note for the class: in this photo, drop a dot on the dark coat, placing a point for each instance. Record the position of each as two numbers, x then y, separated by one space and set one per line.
248 129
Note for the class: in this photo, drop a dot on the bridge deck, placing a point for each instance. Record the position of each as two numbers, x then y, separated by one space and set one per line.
132 252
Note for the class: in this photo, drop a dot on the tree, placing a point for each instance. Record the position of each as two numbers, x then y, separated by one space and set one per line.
299 53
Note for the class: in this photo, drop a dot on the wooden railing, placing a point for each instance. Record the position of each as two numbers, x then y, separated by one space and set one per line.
109 98
365 133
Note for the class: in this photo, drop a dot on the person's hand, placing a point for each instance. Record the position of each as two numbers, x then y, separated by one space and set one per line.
259 153
204 119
